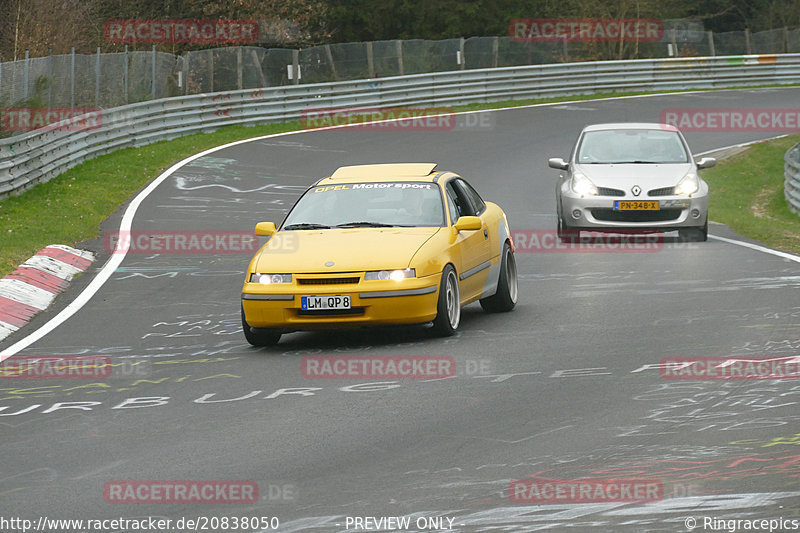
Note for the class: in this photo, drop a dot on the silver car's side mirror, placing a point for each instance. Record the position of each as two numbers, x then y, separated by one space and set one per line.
557 162
706 162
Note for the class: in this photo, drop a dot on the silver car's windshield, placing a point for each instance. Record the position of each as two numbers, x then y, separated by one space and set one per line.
378 204
631 146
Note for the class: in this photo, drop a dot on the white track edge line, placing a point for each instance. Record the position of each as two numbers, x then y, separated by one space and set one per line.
758 248
117 256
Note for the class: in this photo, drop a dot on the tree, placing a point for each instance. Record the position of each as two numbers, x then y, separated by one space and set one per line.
44 25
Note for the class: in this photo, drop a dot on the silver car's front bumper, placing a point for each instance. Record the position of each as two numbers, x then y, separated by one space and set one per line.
598 213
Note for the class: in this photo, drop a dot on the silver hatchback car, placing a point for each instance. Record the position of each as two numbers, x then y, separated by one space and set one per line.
632 176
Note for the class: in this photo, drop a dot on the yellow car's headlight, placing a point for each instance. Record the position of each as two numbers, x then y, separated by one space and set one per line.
396 275
258 277
690 184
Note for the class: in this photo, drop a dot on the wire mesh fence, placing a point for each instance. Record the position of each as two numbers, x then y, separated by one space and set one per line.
105 80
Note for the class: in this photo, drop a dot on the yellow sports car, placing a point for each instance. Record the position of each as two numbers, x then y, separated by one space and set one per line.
379 244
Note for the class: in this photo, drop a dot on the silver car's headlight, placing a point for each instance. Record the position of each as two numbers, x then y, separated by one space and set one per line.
267 279
583 185
690 184
396 275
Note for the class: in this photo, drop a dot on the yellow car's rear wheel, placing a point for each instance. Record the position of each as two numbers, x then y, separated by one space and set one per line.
506 296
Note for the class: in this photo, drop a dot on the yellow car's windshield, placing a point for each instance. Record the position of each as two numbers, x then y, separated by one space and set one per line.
368 204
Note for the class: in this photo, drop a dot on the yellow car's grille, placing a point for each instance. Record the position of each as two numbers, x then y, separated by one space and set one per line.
327 281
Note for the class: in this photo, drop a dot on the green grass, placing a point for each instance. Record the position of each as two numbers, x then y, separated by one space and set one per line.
70 208
747 195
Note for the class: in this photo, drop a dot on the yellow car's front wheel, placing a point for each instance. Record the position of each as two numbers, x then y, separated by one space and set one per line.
259 336
448 309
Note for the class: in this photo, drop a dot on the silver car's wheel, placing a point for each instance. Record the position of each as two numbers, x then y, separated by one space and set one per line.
699 234
566 235
449 306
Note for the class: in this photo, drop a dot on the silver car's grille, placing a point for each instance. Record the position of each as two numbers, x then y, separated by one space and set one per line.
606 191
609 215
663 191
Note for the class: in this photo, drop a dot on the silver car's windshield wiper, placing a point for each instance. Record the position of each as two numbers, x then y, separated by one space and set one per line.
365 225
306 225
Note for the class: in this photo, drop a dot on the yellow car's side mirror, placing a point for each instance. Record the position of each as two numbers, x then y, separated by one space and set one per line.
265 229
468 224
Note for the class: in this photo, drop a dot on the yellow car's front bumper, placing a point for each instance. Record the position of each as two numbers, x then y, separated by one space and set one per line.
409 301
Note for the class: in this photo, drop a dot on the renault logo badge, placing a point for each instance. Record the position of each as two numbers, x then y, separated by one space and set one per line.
636 190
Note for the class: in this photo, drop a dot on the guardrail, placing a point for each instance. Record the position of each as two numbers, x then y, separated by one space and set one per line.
791 186
38 156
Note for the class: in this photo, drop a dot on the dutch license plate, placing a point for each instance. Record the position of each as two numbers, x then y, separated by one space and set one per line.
337 301
636 205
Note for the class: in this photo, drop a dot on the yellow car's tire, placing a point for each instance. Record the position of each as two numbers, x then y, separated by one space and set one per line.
259 336
505 298
448 308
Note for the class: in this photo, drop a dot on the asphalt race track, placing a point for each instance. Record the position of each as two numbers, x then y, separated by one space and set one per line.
565 387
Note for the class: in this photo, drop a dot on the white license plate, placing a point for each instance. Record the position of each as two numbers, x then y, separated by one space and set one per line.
336 301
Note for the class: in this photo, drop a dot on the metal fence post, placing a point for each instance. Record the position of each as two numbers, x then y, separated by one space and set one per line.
211 68
495 50
153 75
50 77
296 67
186 57
461 58
398 45
370 59
711 43
748 46
72 79
27 75
97 79
125 75
674 43
239 67
1 79
329 56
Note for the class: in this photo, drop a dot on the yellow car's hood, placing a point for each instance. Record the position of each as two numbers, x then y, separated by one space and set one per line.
350 250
